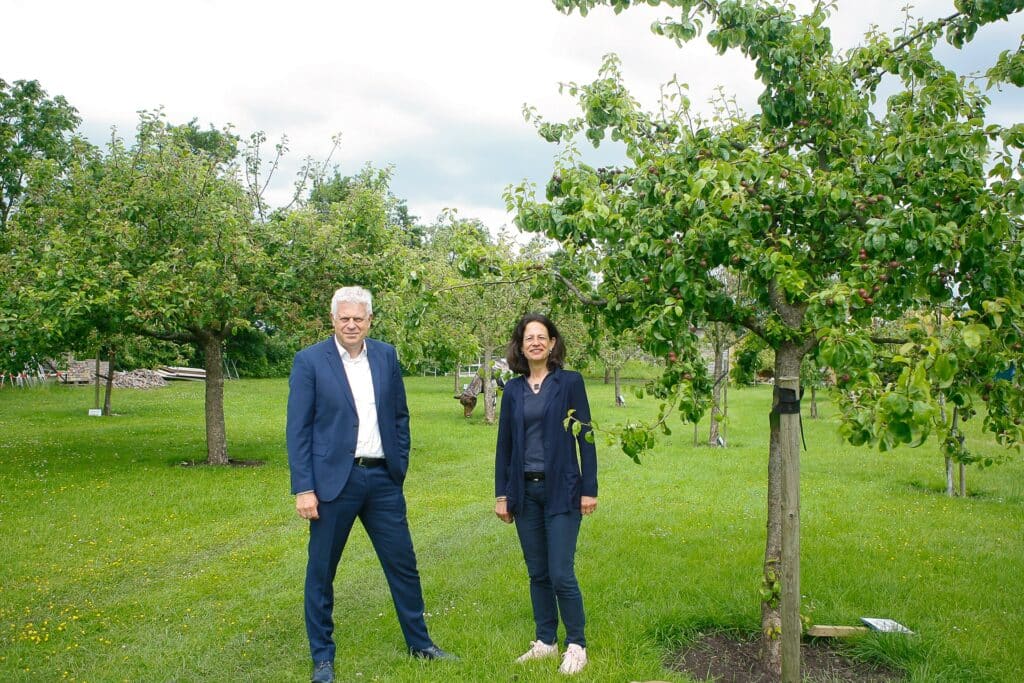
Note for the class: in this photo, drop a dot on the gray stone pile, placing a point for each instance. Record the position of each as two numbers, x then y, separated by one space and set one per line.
139 379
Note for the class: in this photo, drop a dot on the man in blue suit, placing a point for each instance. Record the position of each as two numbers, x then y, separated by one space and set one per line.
348 450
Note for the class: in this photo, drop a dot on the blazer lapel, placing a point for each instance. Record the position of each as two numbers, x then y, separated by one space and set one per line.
338 370
551 391
515 388
376 371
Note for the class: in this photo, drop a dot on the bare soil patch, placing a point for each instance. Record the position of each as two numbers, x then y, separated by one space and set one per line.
723 658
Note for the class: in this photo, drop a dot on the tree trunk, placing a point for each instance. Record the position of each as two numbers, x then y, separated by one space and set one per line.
216 435
955 433
814 402
780 614
714 437
725 413
942 413
771 614
607 374
111 364
949 461
619 401
489 397
458 384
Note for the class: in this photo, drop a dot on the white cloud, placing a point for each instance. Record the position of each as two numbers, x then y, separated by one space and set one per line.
434 87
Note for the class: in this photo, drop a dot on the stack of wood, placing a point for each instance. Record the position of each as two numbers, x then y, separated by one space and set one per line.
82 371
139 379
175 372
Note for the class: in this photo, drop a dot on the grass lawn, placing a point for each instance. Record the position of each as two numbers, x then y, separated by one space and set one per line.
117 563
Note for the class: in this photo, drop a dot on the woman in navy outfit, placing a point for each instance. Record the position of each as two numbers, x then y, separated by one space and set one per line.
545 479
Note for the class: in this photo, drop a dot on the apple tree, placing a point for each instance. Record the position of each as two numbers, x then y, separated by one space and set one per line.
33 127
155 238
836 209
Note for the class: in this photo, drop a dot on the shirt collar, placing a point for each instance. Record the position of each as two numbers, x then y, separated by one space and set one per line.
344 353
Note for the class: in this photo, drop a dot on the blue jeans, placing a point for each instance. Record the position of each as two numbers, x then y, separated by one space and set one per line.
549 548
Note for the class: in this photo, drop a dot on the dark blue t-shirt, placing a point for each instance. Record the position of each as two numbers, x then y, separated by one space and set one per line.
533 421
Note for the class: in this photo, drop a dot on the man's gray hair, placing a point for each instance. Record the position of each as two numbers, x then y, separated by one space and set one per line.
352 295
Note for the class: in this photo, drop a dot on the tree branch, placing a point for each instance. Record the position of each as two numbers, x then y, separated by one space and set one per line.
514 281
936 25
583 298
887 340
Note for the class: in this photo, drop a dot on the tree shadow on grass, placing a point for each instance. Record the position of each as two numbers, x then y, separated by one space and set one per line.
231 463
922 487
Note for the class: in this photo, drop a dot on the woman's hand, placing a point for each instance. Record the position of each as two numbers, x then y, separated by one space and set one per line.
501 509
588 504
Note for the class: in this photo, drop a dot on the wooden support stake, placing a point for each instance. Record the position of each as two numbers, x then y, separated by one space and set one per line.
823 631
789 425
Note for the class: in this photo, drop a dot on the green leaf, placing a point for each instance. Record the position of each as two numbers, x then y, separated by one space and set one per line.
973 335
945 367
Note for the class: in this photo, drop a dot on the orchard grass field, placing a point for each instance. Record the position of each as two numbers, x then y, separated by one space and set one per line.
120 562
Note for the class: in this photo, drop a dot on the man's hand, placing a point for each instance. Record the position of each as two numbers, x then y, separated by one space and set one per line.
588 504
305 505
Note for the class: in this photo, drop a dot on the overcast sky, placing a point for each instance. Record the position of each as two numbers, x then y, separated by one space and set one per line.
435 89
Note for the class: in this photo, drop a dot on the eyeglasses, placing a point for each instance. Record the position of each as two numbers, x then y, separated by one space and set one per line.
348 319
539 338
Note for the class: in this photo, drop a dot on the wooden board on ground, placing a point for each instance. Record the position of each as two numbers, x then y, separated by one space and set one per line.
823 631
175 372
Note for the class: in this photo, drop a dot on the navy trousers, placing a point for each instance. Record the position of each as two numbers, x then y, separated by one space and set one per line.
549 548
379 503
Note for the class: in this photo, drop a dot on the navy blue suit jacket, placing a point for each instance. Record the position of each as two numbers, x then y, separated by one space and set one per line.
322 422
570 463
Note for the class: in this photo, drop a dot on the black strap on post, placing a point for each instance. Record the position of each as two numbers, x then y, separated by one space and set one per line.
788 403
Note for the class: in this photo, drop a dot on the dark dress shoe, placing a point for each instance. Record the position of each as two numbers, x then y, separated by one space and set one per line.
323 672
433 652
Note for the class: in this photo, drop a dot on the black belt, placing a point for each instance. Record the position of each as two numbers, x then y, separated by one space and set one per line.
369 462
534 476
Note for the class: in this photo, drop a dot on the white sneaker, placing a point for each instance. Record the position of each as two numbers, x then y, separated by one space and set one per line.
574 659
538 650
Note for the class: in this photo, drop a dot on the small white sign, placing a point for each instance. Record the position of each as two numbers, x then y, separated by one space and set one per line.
885 625
95 412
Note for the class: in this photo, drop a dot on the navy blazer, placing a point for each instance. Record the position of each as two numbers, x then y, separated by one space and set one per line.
566 476
322 422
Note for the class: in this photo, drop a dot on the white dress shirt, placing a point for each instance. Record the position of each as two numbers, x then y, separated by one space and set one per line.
357 369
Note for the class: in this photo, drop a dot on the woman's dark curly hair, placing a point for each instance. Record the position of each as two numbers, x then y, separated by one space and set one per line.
514 352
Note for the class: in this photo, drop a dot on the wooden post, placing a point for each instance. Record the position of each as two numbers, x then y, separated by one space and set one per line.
97 401
789 427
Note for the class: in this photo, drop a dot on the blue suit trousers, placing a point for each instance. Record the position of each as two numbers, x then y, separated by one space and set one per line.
372 496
